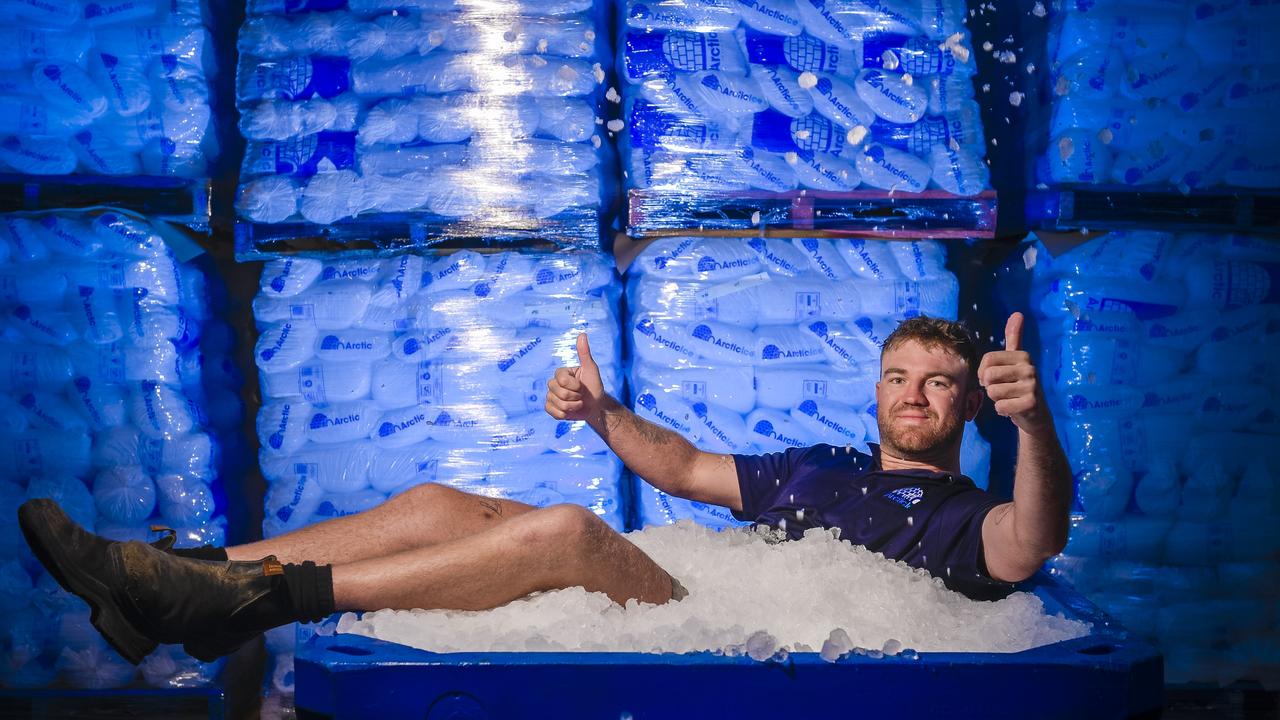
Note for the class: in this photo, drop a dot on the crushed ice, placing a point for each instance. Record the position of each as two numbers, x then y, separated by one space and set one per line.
747 596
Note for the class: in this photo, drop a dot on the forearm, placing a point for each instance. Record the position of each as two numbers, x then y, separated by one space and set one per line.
657 454
1041 493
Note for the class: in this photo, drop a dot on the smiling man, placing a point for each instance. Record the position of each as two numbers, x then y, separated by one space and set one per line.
435 547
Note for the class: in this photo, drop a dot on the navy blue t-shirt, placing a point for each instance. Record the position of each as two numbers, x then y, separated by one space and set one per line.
926 519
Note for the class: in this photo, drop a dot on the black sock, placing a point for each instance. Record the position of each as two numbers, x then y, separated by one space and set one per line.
310 590
204 552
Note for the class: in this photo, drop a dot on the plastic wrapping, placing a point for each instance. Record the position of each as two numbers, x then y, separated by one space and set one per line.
107 88
1157 357
382 374
749 346
110 411
1180 96
779 95
448 112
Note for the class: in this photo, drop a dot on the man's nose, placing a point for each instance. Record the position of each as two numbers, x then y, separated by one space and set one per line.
914 395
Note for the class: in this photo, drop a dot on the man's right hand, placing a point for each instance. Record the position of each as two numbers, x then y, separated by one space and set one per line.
575 393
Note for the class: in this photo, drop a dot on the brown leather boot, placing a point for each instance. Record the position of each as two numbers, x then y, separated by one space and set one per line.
99 571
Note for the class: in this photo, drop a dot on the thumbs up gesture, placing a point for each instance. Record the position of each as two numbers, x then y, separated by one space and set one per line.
575 393
1011 382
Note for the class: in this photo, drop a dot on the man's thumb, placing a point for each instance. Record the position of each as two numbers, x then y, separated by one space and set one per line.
584 354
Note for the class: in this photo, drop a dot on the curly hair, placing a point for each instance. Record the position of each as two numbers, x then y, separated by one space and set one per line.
933 333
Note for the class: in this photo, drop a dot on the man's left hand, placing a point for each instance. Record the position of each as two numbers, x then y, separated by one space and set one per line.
1011 382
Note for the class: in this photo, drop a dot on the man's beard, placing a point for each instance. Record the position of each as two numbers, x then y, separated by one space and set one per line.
921 441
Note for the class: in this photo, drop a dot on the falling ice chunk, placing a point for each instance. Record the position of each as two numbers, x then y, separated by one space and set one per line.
892 647
1031 68
889 60
986 87
1038 9
955 44
598 72
911 521
800 515
792 498
1028 258
864 489
1062 87
807 80
782 524
856 134
907 79
755 218
615 125
542 45
590 35
595 140
791 157
1008 57
987 46
1066 148
1106 136
1015 98
612 95
567 73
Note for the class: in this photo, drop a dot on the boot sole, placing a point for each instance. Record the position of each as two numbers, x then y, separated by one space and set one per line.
104 613
210 649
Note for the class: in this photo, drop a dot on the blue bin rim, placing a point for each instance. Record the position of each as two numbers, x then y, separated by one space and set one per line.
1108 644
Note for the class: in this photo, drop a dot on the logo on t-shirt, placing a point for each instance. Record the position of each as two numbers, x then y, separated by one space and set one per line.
906 497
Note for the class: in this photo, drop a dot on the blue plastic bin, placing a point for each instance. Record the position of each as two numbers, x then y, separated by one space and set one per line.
1107 674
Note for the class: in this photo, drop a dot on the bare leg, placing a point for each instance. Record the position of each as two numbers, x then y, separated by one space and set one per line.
555 547
421 516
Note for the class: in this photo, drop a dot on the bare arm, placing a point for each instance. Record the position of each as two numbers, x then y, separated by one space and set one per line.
1019 536
665 459
660 456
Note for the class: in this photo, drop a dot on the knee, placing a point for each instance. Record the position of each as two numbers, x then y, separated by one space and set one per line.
570 528
428 494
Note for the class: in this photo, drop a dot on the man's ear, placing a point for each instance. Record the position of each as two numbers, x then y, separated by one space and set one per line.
973 403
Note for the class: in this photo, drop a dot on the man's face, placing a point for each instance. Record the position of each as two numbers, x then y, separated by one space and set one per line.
923 400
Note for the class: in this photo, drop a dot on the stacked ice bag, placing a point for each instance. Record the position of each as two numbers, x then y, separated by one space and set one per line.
380 374
106 88
777 95
750 346
460 110
1158 357
108 409
1168 94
